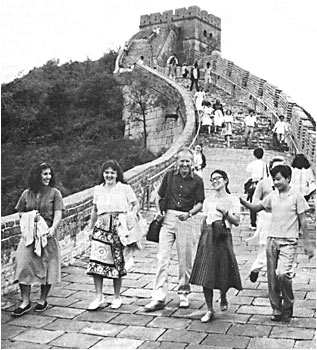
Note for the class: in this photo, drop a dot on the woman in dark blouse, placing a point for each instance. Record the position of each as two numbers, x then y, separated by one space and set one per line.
42 206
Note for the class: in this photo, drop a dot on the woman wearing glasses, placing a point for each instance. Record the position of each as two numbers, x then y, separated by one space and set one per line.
215 265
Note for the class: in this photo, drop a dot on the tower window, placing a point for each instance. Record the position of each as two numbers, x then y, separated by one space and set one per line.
210 36
205 33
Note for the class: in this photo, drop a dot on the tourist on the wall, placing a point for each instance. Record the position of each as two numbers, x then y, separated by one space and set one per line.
227 126
257 170
218 115
140 61
113 217
207 118
199 97
185 70
288 208
207 76
38 256
172 63
279 130
215 265
199 160
303 178
180 197
262 190
250 123
194 76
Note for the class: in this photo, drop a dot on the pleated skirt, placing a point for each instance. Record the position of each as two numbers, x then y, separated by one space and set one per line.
215 265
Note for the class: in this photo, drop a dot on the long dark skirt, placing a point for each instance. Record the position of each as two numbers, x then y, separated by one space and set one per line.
106 256
215 265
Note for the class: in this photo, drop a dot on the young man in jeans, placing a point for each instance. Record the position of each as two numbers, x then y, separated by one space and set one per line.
288 208
183 193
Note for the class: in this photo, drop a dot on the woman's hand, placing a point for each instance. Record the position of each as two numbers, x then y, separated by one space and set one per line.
222 209
51 232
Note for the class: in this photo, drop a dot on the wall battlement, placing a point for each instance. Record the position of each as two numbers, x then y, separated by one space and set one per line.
178 15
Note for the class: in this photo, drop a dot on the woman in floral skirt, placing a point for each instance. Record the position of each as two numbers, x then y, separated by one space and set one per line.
113 216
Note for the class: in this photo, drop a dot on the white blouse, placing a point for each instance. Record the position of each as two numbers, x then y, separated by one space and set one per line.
115 199
229 202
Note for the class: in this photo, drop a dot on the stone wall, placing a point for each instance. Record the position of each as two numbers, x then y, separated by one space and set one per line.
164 124
259 94
73 238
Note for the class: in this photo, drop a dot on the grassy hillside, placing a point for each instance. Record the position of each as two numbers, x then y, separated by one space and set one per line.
69 116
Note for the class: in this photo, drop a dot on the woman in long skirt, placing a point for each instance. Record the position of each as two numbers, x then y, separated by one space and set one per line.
114 212
215 265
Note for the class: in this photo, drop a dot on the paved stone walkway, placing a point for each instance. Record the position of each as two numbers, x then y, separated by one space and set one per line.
246 324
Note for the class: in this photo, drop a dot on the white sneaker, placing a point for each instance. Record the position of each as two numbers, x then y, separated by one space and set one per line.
183 301
116 303
94 305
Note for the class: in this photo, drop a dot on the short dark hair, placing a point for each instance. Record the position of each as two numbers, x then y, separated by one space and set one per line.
281 116
258 153
113 164
284 170
35 180
300 162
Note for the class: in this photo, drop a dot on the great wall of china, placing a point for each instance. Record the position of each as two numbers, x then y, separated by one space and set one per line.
194 35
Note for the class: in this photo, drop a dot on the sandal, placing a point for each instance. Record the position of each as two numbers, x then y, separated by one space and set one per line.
224 305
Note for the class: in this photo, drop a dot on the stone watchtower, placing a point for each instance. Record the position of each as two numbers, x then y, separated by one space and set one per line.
191 33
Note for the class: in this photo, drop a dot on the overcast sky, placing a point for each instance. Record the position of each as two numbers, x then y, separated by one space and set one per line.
273 39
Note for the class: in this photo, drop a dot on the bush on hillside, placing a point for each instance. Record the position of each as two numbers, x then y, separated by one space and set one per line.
69 116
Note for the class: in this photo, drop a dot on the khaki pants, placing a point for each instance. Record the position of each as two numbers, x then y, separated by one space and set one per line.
181 232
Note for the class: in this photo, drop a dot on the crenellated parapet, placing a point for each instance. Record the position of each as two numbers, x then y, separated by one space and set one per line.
180 14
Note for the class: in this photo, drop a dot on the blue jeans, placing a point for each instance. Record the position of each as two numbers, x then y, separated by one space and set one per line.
280 254
181 232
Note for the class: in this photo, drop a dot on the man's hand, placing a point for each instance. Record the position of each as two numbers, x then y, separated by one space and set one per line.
183 217
308 250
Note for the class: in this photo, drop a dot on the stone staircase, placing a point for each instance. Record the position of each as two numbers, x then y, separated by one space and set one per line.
262 137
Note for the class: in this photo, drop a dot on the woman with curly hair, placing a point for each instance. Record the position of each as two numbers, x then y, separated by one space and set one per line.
38 257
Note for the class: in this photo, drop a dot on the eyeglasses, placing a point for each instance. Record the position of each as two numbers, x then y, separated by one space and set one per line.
216 178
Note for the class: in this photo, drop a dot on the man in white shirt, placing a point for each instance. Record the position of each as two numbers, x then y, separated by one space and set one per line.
257 171
172 63
250 122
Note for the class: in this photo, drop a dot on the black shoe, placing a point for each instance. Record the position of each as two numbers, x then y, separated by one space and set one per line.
21 310
41 307
287 314
276 318
254 276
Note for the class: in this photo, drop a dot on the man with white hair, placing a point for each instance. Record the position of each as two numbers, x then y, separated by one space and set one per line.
182 192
